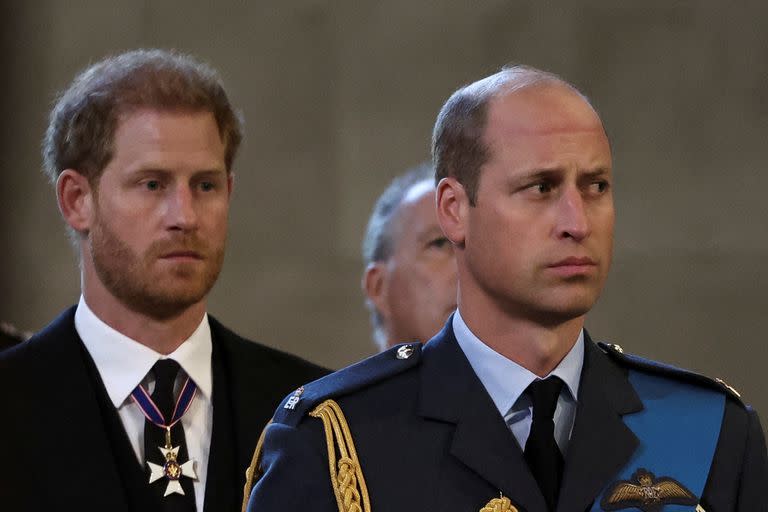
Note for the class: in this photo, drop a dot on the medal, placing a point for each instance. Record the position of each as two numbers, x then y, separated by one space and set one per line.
171 469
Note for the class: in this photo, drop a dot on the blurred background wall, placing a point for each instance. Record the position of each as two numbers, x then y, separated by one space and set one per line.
339 96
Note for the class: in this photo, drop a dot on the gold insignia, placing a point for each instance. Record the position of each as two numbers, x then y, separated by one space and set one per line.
728 387
646 492
500 504
616 347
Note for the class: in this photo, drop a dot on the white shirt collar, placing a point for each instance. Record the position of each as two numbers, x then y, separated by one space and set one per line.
506 380
123 362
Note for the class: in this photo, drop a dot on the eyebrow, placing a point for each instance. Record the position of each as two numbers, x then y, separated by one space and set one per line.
556 172
151 170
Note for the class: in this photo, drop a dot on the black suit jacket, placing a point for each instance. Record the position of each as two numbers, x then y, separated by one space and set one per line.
62 445
429 437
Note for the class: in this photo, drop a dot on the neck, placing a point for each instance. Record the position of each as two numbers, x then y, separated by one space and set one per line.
161 335
536 347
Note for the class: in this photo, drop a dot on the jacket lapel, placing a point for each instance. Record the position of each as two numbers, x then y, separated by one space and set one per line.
221 486
601 443
451 392
71 409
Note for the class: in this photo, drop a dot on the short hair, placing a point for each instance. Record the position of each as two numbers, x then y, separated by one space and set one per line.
378 242
458 148
84 119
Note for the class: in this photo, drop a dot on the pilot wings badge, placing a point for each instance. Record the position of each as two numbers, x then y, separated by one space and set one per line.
647 493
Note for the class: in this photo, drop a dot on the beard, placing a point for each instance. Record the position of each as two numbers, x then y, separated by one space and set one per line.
144 286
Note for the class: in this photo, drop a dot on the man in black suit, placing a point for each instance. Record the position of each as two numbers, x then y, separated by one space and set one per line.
512 407
136 399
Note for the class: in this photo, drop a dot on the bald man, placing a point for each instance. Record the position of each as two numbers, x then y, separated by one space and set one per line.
512 407
410 274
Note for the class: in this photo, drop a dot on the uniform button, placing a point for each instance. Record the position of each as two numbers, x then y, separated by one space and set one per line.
404 352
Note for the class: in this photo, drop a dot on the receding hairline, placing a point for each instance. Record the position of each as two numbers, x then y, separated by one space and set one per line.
416 191
516 78
413 195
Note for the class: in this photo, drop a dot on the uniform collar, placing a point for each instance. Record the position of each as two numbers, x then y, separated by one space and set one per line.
123 362
504 379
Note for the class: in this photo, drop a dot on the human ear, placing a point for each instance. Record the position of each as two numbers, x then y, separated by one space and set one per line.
75 198
374 286
452 209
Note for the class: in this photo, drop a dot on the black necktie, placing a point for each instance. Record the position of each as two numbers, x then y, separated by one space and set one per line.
165 371
541 451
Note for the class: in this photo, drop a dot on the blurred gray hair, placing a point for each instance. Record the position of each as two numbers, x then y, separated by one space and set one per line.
378 243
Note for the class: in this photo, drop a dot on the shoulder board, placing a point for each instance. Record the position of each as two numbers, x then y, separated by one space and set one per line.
640 363
347 380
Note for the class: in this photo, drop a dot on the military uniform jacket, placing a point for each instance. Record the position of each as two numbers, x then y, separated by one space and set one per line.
63 447
429 438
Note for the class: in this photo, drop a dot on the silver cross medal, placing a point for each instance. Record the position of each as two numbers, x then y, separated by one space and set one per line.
171 470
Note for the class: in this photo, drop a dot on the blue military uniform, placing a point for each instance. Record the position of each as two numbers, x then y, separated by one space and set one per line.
414 429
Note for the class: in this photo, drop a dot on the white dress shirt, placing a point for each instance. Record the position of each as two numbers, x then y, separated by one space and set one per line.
124 363
506 382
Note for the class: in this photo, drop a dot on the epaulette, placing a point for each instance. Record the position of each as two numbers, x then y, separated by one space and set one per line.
347 380
640 363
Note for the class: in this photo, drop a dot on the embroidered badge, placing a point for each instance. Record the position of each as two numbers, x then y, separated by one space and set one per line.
291 402
647 493
500 504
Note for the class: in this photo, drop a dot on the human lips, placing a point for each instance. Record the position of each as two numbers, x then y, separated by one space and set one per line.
573 266
181 255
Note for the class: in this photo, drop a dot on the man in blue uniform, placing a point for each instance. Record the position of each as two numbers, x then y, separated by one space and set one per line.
512 406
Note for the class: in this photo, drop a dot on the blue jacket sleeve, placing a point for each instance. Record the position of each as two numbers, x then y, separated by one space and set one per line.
296 476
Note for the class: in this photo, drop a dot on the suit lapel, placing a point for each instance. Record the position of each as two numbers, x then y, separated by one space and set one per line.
71 409
451 392
601 443
220 489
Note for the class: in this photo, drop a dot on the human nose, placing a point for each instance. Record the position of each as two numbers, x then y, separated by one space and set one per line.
181 209
573 221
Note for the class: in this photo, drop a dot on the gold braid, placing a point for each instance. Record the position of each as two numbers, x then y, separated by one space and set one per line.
253 472
346 474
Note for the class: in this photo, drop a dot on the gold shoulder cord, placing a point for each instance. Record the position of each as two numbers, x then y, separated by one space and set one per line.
346 474
347 481
253 472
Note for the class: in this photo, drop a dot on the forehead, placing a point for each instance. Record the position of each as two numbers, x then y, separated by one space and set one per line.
416 212
546 124
541 109
176 136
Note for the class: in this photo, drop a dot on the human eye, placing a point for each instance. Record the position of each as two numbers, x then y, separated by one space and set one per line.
207 186
151 185
599 187
439 242
540 188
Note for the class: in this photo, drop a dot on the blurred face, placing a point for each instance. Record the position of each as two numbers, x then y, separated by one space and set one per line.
419 279
160 212
538 243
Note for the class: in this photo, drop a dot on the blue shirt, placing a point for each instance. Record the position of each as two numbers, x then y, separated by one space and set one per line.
506 381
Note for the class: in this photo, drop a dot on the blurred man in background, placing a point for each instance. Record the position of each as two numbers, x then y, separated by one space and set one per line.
410 274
